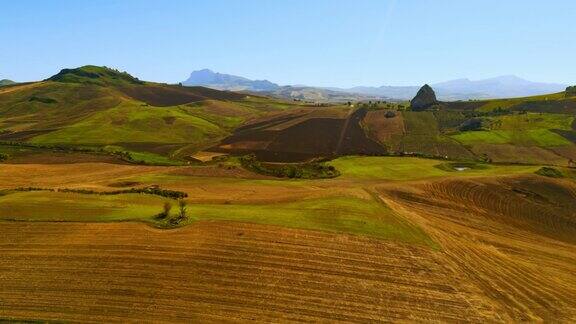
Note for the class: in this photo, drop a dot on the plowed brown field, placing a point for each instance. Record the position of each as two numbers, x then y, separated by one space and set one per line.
215 271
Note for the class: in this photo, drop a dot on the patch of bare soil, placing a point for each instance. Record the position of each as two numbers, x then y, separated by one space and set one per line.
164 95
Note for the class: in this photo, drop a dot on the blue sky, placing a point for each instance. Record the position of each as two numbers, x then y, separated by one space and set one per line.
314 42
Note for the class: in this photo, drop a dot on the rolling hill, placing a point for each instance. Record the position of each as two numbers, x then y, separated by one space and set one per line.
99 106
423 229
102 108
4 82
530 130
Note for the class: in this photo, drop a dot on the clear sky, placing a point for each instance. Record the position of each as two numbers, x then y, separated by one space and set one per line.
313 42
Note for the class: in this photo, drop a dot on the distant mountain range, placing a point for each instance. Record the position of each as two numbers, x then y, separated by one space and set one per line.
219 81
6 82
460 89
463 89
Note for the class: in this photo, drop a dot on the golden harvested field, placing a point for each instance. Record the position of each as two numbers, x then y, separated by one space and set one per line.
66 175
214 271
514 238
504 247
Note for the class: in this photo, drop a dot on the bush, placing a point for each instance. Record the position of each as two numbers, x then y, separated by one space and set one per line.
390 114
182 216
550 172
471 125
165 211
45 100
310 170
4 157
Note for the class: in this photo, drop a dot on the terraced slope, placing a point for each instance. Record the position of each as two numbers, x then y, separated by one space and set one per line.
216 271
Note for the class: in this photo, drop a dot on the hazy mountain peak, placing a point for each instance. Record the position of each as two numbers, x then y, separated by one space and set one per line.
221 81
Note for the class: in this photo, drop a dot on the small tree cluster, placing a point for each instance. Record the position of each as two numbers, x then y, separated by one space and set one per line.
182 213
165 211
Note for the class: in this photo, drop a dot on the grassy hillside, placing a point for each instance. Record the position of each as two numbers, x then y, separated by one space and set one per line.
98 106
102 107
561 102
96 75
4 82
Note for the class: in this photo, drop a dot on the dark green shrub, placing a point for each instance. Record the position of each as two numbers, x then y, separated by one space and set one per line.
309 170
472 124
550 172
45 100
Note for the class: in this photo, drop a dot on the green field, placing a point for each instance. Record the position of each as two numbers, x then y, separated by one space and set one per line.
530 129
537 137
409 168
132 122
493 104
333 214
62 206
533 121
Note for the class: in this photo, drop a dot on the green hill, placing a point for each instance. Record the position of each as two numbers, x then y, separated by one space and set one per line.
103 108
99 106
4 82
90 74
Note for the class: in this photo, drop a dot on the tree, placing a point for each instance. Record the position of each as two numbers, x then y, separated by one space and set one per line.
182 209
167 208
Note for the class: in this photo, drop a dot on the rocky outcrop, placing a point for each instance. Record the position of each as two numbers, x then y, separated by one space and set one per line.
425 98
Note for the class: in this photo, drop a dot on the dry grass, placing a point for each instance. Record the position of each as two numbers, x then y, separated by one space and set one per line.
382 129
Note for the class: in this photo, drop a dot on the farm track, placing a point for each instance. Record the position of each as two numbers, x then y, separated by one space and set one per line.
214 271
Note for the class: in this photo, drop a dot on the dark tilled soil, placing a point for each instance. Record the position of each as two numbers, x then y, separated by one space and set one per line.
559 107
311 138
569 135
164 95
23 135
64 158
355 140
463 105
